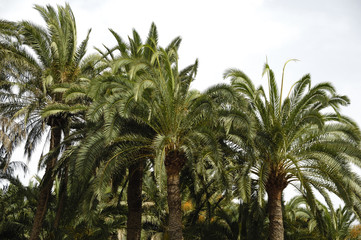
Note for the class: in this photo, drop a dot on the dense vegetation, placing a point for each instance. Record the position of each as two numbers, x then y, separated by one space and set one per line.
135 152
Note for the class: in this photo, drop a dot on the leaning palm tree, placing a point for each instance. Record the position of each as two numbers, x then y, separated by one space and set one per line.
297 140
37 60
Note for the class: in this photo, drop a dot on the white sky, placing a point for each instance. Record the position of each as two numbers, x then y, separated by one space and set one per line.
325 35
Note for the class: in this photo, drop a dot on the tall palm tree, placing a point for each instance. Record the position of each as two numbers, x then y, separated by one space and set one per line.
133 50
156 95
297 141
109 92
127 94
39 59
177 116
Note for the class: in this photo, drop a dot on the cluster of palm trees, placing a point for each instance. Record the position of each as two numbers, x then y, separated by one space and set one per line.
135 151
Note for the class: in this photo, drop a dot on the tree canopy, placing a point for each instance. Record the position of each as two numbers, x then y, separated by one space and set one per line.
136 152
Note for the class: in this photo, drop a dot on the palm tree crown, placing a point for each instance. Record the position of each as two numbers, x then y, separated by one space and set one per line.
39 60
297 142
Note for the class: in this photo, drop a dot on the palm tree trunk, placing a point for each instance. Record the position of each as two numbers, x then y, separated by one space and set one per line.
134 199
173 164
46 185
62 199
63 190
276 229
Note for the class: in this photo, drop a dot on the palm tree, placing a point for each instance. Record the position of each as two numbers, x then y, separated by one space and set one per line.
155 94
177 116
300 223
336 223
129 95
109 92
36 61
133 51
327 223
297 141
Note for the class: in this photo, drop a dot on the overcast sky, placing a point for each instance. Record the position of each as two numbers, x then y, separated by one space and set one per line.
325 35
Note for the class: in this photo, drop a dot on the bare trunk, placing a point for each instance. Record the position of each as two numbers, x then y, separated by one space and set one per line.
276 230
173 164
46 185
62 191
134 198
274 188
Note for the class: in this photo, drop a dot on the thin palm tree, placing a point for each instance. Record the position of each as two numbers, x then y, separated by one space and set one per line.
297 141
37 60
109 92
133 50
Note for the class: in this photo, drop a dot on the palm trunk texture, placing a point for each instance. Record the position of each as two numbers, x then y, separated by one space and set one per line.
174 163
46 186
134 198
274 188
63 191
276 230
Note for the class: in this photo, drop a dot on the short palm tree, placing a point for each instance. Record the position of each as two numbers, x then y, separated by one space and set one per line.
336 224
327 223
300 223
37 60
297 141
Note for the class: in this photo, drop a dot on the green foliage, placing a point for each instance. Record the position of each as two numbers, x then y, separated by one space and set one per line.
132 103
297 141
17 205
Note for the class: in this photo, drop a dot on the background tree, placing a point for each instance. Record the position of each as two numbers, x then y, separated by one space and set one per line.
133 149
11 134
17 209
38 60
